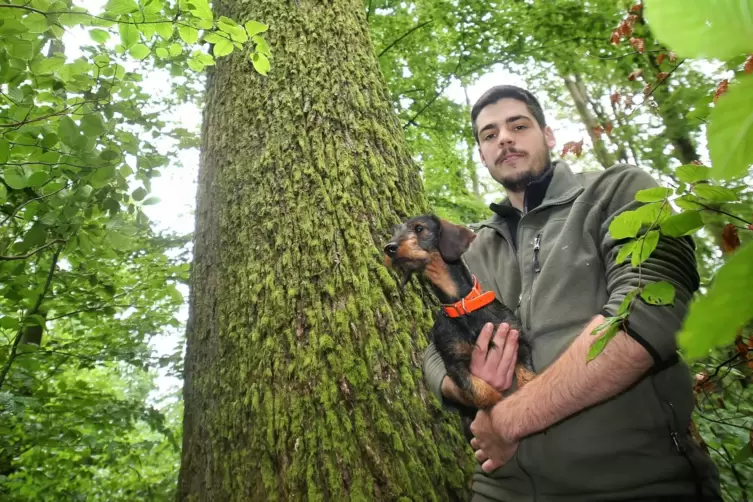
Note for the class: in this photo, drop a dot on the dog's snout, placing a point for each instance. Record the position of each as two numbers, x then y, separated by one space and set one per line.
390 249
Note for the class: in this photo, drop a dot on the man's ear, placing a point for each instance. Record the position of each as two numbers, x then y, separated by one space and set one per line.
551 141
454 240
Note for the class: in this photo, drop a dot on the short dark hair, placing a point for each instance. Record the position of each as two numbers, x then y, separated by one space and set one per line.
507 91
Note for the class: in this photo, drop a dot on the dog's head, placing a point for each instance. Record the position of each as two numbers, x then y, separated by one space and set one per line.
418 241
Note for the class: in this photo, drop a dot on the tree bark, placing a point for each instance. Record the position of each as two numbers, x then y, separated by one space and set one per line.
302 374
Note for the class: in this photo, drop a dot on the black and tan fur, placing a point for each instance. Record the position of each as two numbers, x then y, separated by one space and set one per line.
431 247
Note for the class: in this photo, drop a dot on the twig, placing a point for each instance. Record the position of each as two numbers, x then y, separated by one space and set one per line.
30 253
396 41
34 310
29 201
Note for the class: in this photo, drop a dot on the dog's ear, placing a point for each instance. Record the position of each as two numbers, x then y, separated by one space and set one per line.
454 240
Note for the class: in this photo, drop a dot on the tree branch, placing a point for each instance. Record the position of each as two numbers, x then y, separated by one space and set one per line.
30 253
396 41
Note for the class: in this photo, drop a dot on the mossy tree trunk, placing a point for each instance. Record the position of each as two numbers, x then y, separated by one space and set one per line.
302 375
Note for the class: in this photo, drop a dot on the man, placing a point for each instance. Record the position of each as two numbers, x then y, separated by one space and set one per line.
615 428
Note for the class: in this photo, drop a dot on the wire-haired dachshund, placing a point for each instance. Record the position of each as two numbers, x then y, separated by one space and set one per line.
431 247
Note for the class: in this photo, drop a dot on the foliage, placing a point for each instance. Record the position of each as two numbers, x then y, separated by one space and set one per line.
88 282
718 315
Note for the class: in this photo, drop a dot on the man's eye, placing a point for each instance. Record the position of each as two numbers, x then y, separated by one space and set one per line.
520 127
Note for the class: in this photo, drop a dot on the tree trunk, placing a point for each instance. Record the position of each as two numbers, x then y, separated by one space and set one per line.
302 376
579 94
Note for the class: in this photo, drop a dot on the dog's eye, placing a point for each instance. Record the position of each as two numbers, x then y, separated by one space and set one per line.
419 229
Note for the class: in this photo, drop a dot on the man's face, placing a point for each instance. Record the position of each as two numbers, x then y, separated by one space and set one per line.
511 144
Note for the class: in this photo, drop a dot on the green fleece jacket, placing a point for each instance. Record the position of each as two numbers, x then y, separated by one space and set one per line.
559 272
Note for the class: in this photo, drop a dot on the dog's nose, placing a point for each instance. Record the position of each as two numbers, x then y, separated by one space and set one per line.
390 249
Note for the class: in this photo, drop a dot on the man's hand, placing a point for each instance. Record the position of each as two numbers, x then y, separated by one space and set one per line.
492 450
496 365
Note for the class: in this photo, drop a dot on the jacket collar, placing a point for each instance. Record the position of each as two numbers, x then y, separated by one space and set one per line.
554 186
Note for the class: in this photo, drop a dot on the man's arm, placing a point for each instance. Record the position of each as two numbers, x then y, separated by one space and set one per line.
571 384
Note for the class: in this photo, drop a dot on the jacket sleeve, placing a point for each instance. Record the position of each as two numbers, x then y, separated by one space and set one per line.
434 373
673 260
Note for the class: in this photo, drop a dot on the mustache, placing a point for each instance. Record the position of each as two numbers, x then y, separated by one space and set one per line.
505 153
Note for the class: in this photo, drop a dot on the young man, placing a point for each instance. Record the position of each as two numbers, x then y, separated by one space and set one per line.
615 428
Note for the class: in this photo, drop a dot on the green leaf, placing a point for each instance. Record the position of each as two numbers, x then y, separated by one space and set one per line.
139 194
4 150
109 155
164 30
714 319
49 65
730 129
35 23
139 51
659 293
175 49
714 193
744 454
99 36
600 344
15 177
102 176
689 202
151 201
691 173
254 28
656 194
222 48
644 247
681 224
3 194
261 45
21 49
625 305
38 178
261 63
702 29
129 35
121 7
9 323
188 34
118 240
625 225
92 124
625 251
68 132
214 38
162 53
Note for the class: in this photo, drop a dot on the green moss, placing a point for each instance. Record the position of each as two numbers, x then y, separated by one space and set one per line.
301 350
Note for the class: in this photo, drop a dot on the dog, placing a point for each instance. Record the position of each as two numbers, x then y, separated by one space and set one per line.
431 247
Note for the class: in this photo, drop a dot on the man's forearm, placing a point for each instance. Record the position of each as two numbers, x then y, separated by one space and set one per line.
571 384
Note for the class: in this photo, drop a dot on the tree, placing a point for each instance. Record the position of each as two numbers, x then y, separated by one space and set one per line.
302 376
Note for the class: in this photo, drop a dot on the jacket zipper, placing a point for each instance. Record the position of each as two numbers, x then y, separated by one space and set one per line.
536 270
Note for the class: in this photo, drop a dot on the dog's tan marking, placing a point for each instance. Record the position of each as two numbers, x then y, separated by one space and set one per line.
523 375
409 250
484 395
436 271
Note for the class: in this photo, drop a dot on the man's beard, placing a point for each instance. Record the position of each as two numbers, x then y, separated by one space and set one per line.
519 181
